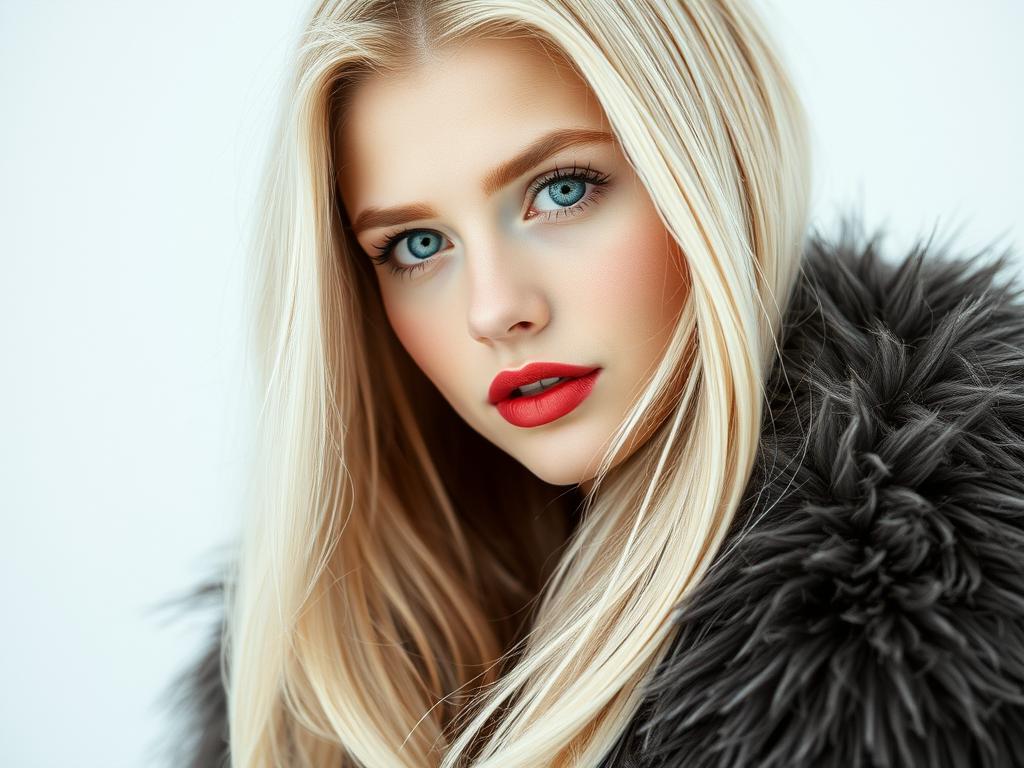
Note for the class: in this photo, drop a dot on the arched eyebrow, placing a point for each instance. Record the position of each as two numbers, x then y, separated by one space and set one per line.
536 152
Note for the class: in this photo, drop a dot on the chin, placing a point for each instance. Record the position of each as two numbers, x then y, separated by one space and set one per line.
559 473
556 477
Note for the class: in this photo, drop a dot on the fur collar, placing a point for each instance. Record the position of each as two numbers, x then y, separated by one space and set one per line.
867 608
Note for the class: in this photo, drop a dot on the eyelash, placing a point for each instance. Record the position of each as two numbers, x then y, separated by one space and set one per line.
598 179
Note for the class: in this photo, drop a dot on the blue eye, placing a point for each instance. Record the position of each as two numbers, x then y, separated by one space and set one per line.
564 192
420 243
565 189
424 244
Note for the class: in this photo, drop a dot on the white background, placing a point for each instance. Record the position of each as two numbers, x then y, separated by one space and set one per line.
130 140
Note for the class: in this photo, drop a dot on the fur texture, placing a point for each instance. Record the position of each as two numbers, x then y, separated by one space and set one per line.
867 608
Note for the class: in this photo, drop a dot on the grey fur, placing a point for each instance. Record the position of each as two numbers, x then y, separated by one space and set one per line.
867 608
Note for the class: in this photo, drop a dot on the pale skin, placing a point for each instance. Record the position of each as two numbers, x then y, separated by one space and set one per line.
575 272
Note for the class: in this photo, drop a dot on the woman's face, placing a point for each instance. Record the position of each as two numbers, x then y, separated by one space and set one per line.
492 179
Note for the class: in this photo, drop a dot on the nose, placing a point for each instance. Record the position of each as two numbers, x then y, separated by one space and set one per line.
505 301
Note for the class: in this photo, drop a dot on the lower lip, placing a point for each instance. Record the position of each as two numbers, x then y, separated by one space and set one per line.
551 404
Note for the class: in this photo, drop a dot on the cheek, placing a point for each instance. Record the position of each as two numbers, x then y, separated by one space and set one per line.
637 282
427 334
410 329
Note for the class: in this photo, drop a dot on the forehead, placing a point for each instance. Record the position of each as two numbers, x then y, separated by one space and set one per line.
467 108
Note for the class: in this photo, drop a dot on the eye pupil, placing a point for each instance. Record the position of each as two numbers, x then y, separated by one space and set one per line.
424 245
567 192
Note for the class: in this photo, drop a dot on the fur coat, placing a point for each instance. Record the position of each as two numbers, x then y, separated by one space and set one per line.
867 608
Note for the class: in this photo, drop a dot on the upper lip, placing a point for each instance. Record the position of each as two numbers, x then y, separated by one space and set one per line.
506 381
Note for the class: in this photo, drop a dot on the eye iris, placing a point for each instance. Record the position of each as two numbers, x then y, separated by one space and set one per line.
423 244
567 191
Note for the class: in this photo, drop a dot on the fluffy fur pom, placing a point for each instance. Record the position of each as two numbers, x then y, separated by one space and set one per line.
867 608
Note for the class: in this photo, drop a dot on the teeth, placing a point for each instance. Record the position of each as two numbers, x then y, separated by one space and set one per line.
537 386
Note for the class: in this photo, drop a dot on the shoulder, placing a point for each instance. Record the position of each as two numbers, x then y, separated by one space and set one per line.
867 607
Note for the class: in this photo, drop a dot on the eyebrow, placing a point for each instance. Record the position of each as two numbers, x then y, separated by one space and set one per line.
507 172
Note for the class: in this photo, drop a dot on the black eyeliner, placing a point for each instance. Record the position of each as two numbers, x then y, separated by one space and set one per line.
586 174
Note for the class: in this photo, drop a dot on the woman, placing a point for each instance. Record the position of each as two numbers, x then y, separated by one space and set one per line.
575 452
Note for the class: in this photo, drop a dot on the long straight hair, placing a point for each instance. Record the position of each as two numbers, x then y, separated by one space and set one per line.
407 594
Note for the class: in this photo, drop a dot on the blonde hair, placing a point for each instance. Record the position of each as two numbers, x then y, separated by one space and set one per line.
406 593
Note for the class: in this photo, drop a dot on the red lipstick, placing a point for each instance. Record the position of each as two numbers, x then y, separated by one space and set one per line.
536 407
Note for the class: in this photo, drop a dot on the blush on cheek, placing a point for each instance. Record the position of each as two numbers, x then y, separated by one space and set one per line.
634 281
406 328
423 340
660 273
